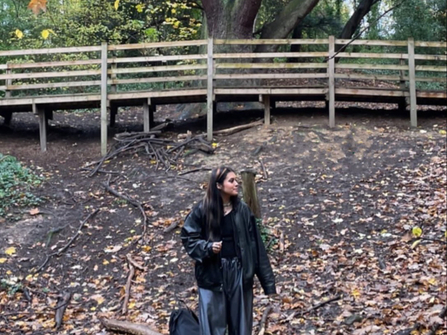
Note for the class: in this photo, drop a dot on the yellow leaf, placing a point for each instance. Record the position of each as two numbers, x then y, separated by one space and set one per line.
176 24
443 132
415 244
2 260
131 305
214 145
10 251
355 293
105 262
45 33
117 3
19 34
139 8
173 11
416 231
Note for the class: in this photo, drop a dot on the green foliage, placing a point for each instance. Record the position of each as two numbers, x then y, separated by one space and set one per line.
265 234
16 184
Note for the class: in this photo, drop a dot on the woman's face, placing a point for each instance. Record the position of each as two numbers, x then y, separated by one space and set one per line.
230 186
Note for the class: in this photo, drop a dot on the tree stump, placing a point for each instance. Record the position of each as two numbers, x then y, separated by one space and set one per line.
249 191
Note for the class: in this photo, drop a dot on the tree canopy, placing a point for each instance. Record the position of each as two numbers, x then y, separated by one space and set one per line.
45 23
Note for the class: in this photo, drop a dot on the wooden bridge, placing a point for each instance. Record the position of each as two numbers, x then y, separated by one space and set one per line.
408 73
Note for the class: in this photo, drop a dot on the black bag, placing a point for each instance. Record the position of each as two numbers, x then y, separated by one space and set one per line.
183 321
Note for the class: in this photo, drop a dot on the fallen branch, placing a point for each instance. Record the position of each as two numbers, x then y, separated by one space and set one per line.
62 303
264 171
233 130
128 327
171 227
264 319
63 249
127 287
131 201
291 316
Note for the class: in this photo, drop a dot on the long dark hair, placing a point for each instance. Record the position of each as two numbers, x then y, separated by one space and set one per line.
213 204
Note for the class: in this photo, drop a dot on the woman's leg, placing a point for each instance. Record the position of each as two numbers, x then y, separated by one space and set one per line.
239 322
212 312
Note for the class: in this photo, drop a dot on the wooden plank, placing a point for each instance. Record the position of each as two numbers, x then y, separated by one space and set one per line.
431 44
367 76
271 66
55 64
371 42
27 52
412 82
156 79
156 94
104 100
36 75
156 45
431 57
271 41
371 55
431 68
210 91
54 85
271 91
155 59
270 75
160 68
370 92
270 55
266 102
371 66
331 82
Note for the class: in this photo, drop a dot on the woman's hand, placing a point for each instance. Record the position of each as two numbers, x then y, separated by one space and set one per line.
217 246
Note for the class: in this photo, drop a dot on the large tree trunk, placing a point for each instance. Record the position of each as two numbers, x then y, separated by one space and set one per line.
290 17
231 19
356 18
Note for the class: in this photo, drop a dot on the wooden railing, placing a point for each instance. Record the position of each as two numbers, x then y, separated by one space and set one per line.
108 76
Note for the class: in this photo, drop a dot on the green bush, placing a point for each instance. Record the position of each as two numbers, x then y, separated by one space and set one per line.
16 184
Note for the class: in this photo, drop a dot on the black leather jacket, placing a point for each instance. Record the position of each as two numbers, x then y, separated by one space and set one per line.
249 245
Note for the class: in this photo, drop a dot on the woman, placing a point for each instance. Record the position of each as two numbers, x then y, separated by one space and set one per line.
221 235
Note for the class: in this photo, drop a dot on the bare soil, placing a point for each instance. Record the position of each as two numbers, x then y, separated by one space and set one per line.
336 204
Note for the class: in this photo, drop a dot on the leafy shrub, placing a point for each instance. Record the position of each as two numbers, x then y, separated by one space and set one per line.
16 184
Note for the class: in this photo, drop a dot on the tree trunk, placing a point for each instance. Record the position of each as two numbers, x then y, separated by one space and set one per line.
250 192
290 17
231 19
354 22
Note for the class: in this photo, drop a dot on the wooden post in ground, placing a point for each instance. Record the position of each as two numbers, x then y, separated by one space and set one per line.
43 122
266 102
148 115
210 91
104 100
331 81
249 191
412 78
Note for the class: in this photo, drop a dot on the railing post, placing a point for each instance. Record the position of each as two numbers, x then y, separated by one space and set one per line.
8 81
104 100
210 90
412 79
331 81
402 104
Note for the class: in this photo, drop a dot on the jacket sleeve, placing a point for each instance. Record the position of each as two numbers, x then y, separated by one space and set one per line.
263 268
192 237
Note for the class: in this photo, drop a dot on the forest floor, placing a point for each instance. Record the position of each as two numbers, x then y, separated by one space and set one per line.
340 206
